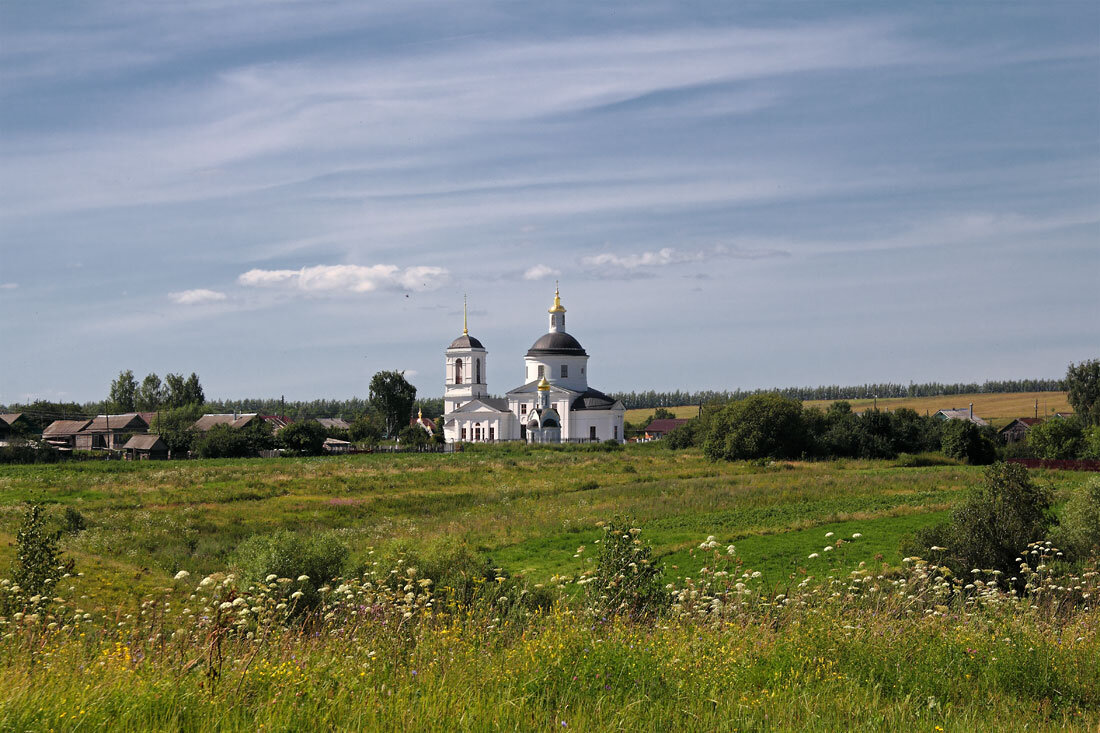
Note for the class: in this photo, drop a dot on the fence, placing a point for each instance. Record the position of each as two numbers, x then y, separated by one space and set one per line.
1058 464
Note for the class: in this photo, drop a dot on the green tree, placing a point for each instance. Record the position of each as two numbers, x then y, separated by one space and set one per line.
366 429
413 437
392 397
192 391
174 428
222 441
1083 385
305 438
151 394
183 391
1056 438
1090 443
123 391
966 441
761 426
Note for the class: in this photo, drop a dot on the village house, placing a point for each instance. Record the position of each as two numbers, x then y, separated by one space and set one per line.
110 432
146 447
660 428
956 414
61 434
1017 430
14 425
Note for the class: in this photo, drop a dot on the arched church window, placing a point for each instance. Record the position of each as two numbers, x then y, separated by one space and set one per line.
458 371
477 364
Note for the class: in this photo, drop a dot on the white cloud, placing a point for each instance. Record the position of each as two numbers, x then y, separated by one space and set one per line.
609 263
538 272
197 296
8 286
348 278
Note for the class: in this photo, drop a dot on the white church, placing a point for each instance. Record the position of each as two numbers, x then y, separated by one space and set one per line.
554 405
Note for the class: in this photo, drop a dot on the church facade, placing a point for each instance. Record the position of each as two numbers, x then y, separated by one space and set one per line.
553 405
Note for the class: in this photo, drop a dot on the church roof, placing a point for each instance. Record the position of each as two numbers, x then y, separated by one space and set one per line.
533 386
493 403
557 343
593 399
465 341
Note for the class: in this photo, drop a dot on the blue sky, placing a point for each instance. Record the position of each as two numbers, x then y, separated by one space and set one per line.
286 197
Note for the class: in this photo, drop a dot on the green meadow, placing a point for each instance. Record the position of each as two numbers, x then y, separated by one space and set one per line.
901 658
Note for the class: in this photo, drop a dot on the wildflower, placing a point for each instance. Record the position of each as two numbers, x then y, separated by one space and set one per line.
303 578
731 550
183 575
828 548
856 536
270 578
296 594
937 548
828 534
814 556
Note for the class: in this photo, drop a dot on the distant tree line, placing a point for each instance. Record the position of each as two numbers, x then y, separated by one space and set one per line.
651 398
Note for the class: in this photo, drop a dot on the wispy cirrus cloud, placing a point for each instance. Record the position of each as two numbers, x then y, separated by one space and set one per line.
609 263
199 296
8 286
335 279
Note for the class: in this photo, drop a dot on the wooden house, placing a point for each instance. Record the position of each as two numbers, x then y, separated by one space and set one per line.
660 428
61 434
110 432
1017 430
146 447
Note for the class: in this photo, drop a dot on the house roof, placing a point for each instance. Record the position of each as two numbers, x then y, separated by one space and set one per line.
65 427
954 414
557 343
146 441
1027 422
333 422
117 423
10 417
665 425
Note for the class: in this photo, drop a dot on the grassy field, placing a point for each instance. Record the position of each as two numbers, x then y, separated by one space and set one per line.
831 660
998 408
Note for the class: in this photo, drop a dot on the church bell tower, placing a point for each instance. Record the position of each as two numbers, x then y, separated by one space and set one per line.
465 377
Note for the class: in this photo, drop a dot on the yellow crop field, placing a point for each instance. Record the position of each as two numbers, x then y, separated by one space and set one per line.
998 408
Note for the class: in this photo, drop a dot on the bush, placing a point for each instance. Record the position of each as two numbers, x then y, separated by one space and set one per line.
626 581
72 521
413 437
683 436
1080 528
289 555
966 441
15 454
38 563
1056 438
1090 443
761 426
997 520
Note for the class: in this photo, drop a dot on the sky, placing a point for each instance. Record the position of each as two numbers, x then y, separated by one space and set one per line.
287 197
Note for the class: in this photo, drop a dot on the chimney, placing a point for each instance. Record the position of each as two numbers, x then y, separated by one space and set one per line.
972 412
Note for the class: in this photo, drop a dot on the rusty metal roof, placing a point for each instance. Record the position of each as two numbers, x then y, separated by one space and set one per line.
117 423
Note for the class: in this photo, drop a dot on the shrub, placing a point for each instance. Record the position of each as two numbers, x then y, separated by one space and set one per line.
999 517
38 561
966 441
683 436
72 521
26 453
1056 438
1090 443
414 437
761 426
1080 527
285 554
626 581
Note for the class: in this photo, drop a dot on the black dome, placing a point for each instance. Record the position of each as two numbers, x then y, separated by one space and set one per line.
558 342
465 341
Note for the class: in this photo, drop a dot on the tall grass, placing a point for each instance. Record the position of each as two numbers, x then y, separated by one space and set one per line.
876 648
